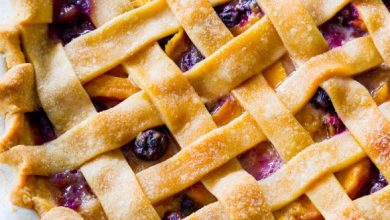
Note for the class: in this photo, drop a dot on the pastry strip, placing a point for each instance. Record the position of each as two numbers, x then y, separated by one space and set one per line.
33 11
307 167
202 23
363 119
111 178
156 16
168 88
315 44
289 138
135 29
112 87
10 46
257 98
352 58
376 17
375 206
107 130
300 37
59 90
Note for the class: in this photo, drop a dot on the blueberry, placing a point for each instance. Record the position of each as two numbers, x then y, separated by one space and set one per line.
238 12
190 58
188 206
71 20
73 187
345 25
322 101
68 177
151 144
378 182
261 161
41 126
172 216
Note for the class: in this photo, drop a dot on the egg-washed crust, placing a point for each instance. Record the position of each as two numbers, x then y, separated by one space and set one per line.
238 194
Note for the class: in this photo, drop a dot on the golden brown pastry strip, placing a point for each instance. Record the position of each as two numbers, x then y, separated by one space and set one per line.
57 85
168 88
103 11
238 192
289 138
201 23
111 178
354 57
294 133
10 46
106 131
195 161
33 11
312 163
111 87
157 16
375 206
236 61
134 30
277 123
323 10
17 90
299 36
363 119
62 213
376 17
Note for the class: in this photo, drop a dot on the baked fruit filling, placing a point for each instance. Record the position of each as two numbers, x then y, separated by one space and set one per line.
152 146
71 19
42 128
73 189
344 26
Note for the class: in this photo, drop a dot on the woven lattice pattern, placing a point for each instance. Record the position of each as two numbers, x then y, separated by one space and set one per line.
164 95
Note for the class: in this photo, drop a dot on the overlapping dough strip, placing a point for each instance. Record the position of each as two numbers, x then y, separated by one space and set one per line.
363 119
168 88
17 94
132 30
376 17
76 98
60 92
111 178
93 149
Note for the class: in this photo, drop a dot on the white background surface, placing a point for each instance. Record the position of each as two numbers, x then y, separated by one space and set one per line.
7 174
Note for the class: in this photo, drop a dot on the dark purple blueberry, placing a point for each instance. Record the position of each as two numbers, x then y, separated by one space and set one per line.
151 144
387 3
347 16
66 178
73 188
334 36
172 216
214 106
377 182
72 196
188 206
70 20
163 42
238 12
345 25
261 161
322 101
41 126
190 58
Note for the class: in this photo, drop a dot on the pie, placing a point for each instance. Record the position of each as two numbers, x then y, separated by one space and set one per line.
198 109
